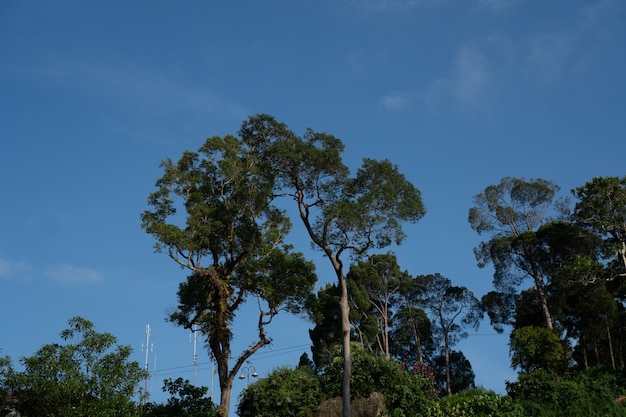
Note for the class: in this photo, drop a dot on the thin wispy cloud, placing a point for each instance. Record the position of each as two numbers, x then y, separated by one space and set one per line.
395 101
74 275
13 270
150 97
548 56
471 78
496 5
468 85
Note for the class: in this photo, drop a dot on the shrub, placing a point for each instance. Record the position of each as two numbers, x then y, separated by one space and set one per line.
284 392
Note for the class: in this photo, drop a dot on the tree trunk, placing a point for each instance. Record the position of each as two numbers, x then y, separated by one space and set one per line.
608 335
543 300
347 355
446 348
225 381
584 345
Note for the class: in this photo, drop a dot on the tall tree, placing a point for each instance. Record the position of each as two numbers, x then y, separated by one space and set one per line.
342 215
601 207
511 212
411 335
453 309
461 372
87 375
380 279
212 213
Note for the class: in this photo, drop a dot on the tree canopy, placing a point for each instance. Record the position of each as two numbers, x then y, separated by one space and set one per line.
213 214
89 374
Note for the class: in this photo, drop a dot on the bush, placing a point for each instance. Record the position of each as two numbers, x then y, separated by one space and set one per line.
475 402
284 392
588 394
405 394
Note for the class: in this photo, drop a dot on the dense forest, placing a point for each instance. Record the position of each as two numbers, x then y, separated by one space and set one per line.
558 261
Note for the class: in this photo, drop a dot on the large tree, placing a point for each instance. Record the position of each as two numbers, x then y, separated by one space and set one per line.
88 374
511 212
213 214
343 215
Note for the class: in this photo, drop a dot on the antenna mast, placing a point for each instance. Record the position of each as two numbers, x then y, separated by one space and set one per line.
148 347
194 329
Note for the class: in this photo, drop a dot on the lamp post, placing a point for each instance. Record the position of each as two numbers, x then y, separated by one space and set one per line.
245 373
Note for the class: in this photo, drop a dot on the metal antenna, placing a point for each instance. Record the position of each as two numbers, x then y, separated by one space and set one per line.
194 337
148 347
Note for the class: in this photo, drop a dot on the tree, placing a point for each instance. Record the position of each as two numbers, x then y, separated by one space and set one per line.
185 400
452 309
89 375
411 335
213 214
461 372
601 207
342 215
534 348
512 211
378 279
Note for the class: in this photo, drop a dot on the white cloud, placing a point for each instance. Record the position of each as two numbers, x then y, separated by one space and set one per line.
496 5
12 270
74 275
548 55
468 85
471 79
395 101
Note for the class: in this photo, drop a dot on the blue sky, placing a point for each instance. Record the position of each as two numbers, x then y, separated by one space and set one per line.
458 93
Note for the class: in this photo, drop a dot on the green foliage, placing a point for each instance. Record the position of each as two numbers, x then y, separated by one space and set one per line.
601 207
534 348
90 375
284 392
185 400
405 393
591 394
475 403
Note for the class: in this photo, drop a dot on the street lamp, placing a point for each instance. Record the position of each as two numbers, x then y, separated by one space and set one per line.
245 372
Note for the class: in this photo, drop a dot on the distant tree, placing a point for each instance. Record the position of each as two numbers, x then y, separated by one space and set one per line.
305 362
213 214
342 215
185 400
453 309
511 212
377 282
411 335
461 372
89 375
